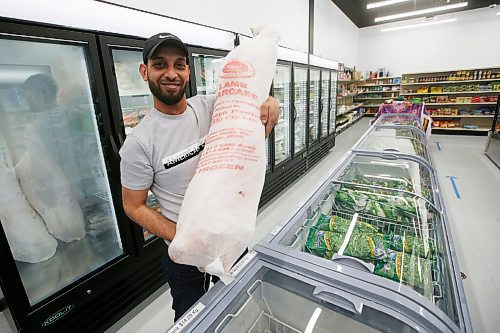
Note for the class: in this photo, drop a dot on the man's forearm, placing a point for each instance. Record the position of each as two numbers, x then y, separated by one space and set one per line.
153 222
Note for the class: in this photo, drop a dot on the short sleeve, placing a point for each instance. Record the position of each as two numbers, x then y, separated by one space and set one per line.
210 100
135 167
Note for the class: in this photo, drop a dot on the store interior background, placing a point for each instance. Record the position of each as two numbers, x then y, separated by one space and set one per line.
473 41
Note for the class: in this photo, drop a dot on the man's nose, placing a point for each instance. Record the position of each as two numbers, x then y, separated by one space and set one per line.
170 73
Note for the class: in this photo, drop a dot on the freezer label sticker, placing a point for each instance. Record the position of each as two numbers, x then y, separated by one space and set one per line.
58 315
184 321
242 263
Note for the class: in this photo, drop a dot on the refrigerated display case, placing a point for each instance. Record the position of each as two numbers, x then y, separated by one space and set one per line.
282 84
314 100
325 101
66 244
381 213
135 98
493 145
300 108
284 295
205 66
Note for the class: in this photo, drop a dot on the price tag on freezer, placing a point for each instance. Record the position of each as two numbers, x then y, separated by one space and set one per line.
242 263
184 321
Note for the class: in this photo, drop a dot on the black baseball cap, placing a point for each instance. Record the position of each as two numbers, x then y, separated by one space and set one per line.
162 38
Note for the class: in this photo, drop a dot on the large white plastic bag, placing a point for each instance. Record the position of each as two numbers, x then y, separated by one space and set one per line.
217 217
26 233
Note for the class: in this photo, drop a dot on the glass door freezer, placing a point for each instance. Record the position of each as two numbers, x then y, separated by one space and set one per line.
382 215
66 246
282 84
205 65
282 295
130 93
300 100
325 101
314 103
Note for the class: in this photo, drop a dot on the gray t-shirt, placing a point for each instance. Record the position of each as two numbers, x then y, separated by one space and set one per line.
162 152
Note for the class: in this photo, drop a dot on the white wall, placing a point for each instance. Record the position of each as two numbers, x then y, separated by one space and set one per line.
473 41
335 35
289 18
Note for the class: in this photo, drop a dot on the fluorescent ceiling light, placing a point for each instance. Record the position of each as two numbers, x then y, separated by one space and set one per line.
417 25
498 13
421 12
383 3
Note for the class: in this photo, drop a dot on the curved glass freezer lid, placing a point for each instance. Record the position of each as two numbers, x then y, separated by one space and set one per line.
398 234
407 119
406 140
270 298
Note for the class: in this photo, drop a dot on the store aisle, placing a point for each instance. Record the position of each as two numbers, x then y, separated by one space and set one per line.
155 314
474 220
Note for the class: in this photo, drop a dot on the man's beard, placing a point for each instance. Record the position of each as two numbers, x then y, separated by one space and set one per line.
166 98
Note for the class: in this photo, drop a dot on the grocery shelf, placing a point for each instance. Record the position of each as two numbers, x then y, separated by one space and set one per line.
463 116
379 85
453 93
354 107
348 95
384 78
368 98
380 91
343 127
371 106
481 129
446 82
492 103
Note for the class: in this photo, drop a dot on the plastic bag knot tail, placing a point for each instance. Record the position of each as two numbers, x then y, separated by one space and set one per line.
216 268
266 31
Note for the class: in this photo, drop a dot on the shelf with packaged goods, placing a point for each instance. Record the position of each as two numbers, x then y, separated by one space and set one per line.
371 106
448 82
379 91
381 85
463 116
383 78
481 129
453 93
372 98
351 108
431 104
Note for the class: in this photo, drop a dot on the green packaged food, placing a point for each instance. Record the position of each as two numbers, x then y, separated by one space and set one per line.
366 247
411 270
410 244
339 224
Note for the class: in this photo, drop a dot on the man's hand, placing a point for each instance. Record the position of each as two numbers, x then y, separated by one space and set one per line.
269 114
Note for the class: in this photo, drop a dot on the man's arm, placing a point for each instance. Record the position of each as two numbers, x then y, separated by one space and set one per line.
134 203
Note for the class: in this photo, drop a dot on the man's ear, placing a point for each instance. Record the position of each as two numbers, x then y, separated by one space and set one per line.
143 70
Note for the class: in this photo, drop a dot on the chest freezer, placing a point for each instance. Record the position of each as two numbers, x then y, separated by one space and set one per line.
271 295
382 216
405 119
398 139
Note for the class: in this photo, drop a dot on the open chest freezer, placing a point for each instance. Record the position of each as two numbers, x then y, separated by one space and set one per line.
381 215
284 295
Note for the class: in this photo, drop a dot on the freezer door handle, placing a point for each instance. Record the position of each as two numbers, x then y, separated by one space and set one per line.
339 298
353 262
390 157
120 139
114 147
392 150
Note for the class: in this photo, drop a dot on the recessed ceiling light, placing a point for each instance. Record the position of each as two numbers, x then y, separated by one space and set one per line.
383 3
421 12
410 26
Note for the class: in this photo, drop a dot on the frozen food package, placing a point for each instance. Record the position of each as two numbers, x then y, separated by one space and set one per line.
25 230
218 214
49 192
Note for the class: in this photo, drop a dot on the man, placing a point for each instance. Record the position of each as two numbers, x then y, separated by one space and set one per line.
158 155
